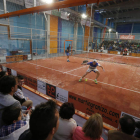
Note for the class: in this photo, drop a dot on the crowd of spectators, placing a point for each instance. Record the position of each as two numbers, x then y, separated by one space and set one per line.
19 121
133 47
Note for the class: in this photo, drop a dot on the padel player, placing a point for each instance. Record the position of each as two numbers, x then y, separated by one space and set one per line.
68 52
92 67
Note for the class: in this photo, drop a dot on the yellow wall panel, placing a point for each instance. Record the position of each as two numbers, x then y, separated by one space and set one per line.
138 55
53 33
87 29
134 54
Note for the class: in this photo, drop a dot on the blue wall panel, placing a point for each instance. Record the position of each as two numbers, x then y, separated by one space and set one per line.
36 21
98 17
67 30
82 9
125 28
80 37
136 28
59 35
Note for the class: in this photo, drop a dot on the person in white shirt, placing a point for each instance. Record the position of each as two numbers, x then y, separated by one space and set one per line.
67 124
102 48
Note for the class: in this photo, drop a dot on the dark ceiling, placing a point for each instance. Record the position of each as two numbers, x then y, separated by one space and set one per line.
120 11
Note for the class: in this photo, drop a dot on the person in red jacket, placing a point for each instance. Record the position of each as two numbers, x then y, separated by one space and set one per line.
92 129
125 51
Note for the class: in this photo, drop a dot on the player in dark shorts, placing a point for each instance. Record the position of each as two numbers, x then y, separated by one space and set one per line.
67 52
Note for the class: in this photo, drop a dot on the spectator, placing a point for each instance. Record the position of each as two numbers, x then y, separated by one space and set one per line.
3 73
8 86
44 122
92 129
14 126
67 124
137 131
126 129
18 95
0 68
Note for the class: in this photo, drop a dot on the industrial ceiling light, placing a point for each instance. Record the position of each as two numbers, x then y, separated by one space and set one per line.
84 16
48 1
110 30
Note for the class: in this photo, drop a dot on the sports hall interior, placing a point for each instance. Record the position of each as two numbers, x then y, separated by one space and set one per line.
34 35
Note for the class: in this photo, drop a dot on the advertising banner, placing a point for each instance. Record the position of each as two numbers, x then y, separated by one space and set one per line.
127 37
51 91
61 95
41 86
110 115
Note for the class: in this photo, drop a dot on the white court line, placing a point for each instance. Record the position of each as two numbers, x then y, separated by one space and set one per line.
107 54
107 84
45 67
75 69
110 61
88 79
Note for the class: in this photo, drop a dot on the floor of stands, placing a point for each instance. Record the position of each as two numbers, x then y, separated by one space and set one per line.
118 87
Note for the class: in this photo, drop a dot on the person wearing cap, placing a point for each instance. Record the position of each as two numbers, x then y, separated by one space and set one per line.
92 67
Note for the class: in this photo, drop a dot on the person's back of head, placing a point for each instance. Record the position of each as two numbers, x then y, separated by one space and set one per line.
11 115
93 126
67 110
127 124
8 84
3 73
44 120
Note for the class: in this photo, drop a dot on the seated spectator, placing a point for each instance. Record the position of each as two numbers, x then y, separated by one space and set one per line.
92 129
13 125
44 122
8 86
67 124
18 95
0 68
137 131
3 73
126 129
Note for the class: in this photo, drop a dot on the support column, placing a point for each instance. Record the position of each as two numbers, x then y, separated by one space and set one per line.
132 29
75 32
48 34
34 3
4 4
75 36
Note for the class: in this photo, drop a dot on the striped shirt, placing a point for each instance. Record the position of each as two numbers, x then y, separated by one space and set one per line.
8 129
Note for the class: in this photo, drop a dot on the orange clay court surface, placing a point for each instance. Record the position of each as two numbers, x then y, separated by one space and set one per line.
118 87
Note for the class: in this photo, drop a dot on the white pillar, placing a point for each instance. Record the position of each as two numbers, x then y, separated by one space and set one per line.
48 34
75 36
34 3
4 4
75 32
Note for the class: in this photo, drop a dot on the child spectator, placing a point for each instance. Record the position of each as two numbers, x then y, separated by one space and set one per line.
3 73
13 125
18 95
67 124
92 129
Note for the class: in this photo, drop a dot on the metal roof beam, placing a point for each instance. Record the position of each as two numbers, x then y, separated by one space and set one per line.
122 5
133 13
127 20
46 7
